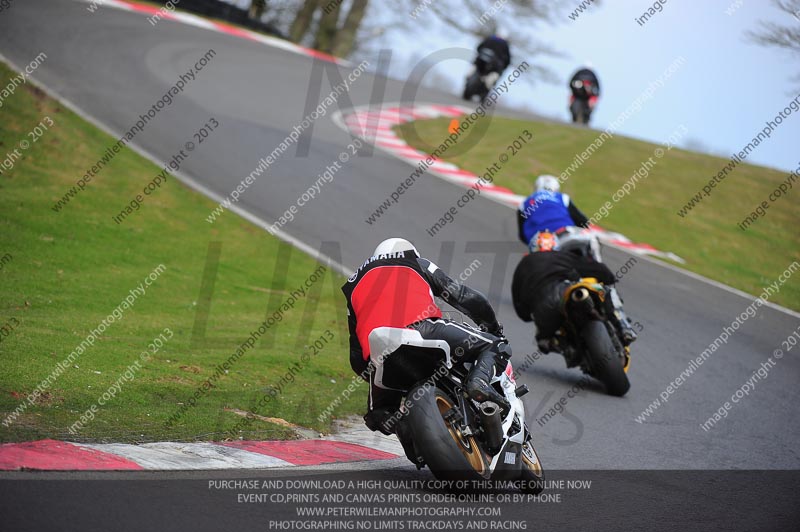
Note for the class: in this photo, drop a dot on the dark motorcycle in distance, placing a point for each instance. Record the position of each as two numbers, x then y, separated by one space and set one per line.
585 92
580 109
457 438
482 79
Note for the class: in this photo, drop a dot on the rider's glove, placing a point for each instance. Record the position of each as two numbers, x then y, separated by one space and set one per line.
496 329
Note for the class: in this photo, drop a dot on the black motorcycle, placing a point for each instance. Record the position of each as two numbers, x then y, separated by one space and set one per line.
456 437
584 88
581 110
589 338
478 82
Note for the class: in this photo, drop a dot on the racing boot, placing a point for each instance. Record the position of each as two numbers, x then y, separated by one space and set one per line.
621 320
478 387
628 334
547 344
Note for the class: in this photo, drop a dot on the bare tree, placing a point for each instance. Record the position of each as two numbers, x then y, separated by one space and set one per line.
347 27
276 13
481 18
321 24
257 8
346 37
478 19
328 25
783 36
779 35
302 21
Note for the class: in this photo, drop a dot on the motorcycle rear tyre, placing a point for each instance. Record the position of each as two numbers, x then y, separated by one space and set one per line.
605 361
449 454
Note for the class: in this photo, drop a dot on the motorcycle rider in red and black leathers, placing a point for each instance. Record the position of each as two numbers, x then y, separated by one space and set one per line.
585 86
396 288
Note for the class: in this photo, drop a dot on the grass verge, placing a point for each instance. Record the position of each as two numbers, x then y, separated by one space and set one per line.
708 237
63 273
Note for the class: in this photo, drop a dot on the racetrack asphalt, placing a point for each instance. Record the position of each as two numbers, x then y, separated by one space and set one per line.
112 65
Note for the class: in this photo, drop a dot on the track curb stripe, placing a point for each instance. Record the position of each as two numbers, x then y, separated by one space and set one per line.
175 456
379 123
312 452
58 455
52 455
220 27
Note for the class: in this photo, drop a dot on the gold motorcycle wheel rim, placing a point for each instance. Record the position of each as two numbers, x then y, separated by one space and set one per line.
531 461
466 444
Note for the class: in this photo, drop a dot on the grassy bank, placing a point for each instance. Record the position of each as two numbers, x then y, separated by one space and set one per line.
708 237
62 273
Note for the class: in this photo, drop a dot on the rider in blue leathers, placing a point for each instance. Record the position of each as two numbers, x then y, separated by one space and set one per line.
547 209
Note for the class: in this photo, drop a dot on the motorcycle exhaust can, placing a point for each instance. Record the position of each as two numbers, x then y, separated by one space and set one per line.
581 294
492 425
581 301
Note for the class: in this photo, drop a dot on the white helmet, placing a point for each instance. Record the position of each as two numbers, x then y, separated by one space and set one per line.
547 182
394 245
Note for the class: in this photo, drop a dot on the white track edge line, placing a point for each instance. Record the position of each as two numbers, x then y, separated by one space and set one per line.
187 180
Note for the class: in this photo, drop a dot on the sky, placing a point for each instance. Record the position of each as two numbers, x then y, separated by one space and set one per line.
723 94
